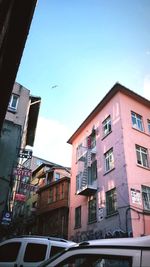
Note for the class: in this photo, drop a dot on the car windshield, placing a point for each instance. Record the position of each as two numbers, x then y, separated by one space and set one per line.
94 260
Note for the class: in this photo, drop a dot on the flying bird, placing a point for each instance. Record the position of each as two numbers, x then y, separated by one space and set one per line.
54 86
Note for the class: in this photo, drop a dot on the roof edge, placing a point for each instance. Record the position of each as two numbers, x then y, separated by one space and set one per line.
117 87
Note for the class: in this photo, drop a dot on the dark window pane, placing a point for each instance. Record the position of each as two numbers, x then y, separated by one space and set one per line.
55 250
35 252
9 252
94 260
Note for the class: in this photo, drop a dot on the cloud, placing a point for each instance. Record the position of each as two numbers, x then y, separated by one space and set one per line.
51 142
147 86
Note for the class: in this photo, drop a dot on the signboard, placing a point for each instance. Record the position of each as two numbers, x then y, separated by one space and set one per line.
6 219
136 196
25 153
28 187
20 197
22 172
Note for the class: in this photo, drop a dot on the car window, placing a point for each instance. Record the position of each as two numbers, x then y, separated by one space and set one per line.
55 250
9 251
96 261
35 252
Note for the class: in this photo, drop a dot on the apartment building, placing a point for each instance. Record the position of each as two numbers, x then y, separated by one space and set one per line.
110 182
18 131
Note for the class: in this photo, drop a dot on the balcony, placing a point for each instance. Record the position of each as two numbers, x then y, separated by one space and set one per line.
86 186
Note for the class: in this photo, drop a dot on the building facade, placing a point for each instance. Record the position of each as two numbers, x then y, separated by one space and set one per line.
47 208
17 132
110 184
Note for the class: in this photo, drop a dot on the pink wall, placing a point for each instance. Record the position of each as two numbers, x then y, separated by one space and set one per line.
137 175
124 176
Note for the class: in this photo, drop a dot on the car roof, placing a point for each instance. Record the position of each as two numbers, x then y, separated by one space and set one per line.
118 242
35 237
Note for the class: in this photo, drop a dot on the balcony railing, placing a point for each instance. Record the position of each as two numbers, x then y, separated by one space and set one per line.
86 186
81 154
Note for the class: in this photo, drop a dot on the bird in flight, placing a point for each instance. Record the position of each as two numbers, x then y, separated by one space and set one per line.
54 86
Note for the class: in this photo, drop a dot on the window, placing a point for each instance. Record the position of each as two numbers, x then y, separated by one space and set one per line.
12 248
146 197
55 250
142 156
92 210
92 173
78 181
35 252
109 160
57 193
111 201
78 217
148 122
106 126
50 199
95 260
137 121
62 191
13 103
57 176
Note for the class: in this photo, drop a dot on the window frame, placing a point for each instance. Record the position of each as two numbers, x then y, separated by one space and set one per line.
141 153
78 217
148 124
11 107
111 201
137 121
146 197
51 196
92 210
57 176
107 126
109 160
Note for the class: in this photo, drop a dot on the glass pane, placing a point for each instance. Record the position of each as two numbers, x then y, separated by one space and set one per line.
94 260
145 162
35 252
9 252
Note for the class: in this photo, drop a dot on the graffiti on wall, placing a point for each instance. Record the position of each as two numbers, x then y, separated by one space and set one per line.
98 234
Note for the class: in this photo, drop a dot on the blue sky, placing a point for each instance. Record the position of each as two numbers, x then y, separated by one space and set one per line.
83 47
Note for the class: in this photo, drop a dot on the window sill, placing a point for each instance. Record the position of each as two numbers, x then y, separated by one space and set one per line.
106 135
77 227
143 167
109 171
113 214
12 110
138 130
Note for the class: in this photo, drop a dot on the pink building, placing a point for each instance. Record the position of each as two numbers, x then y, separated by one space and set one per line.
110 183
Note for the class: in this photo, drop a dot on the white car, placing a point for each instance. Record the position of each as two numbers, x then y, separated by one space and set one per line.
121 252
30 251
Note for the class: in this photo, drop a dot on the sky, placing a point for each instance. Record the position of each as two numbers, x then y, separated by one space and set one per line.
75 52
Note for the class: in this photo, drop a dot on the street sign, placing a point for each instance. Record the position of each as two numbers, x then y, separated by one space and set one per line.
22 172
20 197
28 187
6 219
25 153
